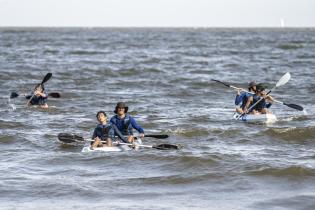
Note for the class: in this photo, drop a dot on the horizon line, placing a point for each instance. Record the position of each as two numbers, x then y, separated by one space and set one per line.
198 27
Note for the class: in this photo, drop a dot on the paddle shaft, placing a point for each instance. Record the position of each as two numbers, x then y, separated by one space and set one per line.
72 138
122 143
65 137
140 145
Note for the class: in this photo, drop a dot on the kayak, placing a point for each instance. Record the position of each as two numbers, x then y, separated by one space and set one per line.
262 118
117 148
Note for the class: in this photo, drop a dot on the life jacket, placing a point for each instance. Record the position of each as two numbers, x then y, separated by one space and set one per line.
102 131
127 129
38 100
106 131
260 105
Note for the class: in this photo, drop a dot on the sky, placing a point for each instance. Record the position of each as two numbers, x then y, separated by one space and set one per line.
158 13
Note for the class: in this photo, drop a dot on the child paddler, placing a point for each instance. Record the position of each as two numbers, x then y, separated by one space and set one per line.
263 105
38 96
123 123
241 98
102 132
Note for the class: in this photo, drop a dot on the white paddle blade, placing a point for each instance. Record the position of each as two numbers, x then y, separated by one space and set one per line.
284 79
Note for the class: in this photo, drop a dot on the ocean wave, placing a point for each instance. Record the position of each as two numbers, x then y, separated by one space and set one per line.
51 51
8 124
292 133
171 179
296 171
138 71
290 46
86 52
7 139
202 132
188 132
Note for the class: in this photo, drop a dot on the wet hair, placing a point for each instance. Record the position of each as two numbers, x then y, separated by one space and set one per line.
260 87
40 85
100 112
251 85
250 88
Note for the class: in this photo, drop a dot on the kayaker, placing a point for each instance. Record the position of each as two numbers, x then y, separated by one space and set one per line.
263 105
38 96
125 123
241 98
102 132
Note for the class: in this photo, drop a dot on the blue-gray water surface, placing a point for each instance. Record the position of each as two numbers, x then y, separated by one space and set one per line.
164 75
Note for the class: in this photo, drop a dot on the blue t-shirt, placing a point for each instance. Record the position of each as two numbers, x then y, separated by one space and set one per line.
126 124
241 100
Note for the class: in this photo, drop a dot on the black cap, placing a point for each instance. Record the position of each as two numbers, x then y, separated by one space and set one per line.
121 105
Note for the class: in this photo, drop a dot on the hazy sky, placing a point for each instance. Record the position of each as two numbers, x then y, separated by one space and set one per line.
202 13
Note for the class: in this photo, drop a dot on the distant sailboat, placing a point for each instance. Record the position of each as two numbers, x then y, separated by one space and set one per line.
282 23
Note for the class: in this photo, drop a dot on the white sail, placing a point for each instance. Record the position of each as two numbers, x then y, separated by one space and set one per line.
282 22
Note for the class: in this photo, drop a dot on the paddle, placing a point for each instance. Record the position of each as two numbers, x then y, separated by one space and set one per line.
293 106
157 136
282 81
159 146
227 85
70 138
46 78
53 95
14 95
73 138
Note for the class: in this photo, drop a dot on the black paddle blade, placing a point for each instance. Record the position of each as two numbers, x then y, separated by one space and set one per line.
54 95
47 77
294 106
70 138
157 136
14 95
167 147
221 82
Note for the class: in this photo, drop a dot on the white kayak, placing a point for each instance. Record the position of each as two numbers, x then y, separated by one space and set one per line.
117 148
262 118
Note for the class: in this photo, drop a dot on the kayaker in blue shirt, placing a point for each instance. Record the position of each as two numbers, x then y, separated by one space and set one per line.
102 132
241 98
125 123
38 96
263 105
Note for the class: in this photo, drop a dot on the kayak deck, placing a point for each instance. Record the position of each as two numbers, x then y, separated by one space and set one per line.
264 118
119 148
